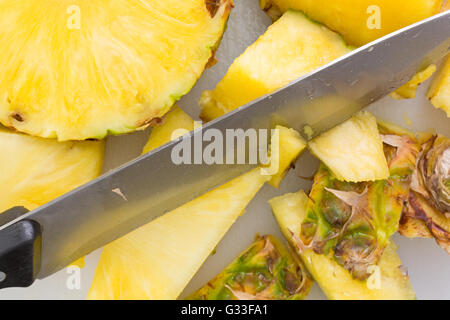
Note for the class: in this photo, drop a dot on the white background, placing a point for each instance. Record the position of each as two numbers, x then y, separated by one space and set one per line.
428 265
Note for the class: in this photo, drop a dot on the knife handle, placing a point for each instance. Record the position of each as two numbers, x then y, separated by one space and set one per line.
20 254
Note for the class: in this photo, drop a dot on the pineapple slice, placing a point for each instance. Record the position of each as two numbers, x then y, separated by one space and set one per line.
409 89
290 48
74 70
439 92
359 21
387 281
265 271
145 264
353 150
35 171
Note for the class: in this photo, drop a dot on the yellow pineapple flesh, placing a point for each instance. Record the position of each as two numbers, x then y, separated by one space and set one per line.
359 21
388 283
353 150
290 48
288 151
439 92
409 89
34 171
158 260
175 124
78 69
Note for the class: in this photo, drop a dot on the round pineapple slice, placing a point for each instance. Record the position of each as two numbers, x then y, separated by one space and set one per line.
79 69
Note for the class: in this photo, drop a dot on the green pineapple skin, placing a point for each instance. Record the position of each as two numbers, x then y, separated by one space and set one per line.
383 204
267 270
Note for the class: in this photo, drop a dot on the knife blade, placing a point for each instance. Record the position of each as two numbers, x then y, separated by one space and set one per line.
95 214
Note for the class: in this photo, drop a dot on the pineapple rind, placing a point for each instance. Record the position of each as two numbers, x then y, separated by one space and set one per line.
268 266
353 150
352 18
336 282
439 91
290 48
35 171
124 66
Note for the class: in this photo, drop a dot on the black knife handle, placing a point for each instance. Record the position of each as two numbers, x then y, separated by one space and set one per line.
20 254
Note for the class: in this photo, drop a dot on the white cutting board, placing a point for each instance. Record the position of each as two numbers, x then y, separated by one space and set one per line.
427 263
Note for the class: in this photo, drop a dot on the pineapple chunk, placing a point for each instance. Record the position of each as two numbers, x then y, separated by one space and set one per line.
291 148
176 122
353 150
336 282
34 171
359 21
439 92
290 48
265 271
145 264
74 70
409 89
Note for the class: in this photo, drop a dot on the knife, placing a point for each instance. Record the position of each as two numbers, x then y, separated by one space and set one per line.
36 244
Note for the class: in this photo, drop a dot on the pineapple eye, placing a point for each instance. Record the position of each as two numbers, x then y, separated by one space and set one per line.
17 116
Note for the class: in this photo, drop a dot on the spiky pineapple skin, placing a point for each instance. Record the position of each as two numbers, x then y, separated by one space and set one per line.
264 271
124 64
34 171
336 282
354 221
351 18
426 213
290 48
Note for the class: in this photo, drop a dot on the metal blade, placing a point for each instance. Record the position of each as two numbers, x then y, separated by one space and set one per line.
96 213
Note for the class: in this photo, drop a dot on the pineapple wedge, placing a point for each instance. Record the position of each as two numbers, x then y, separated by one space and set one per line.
85 69
359 21
265 271
290 48
388 282
34 171
289 150
145 264
175 124
409 89
353 150
439 91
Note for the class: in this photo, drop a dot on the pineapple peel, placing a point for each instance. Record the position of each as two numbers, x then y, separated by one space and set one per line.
336 282
427 212
101 67
356 220
271 273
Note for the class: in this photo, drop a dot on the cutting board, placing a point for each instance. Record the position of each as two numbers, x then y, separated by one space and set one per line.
428 264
